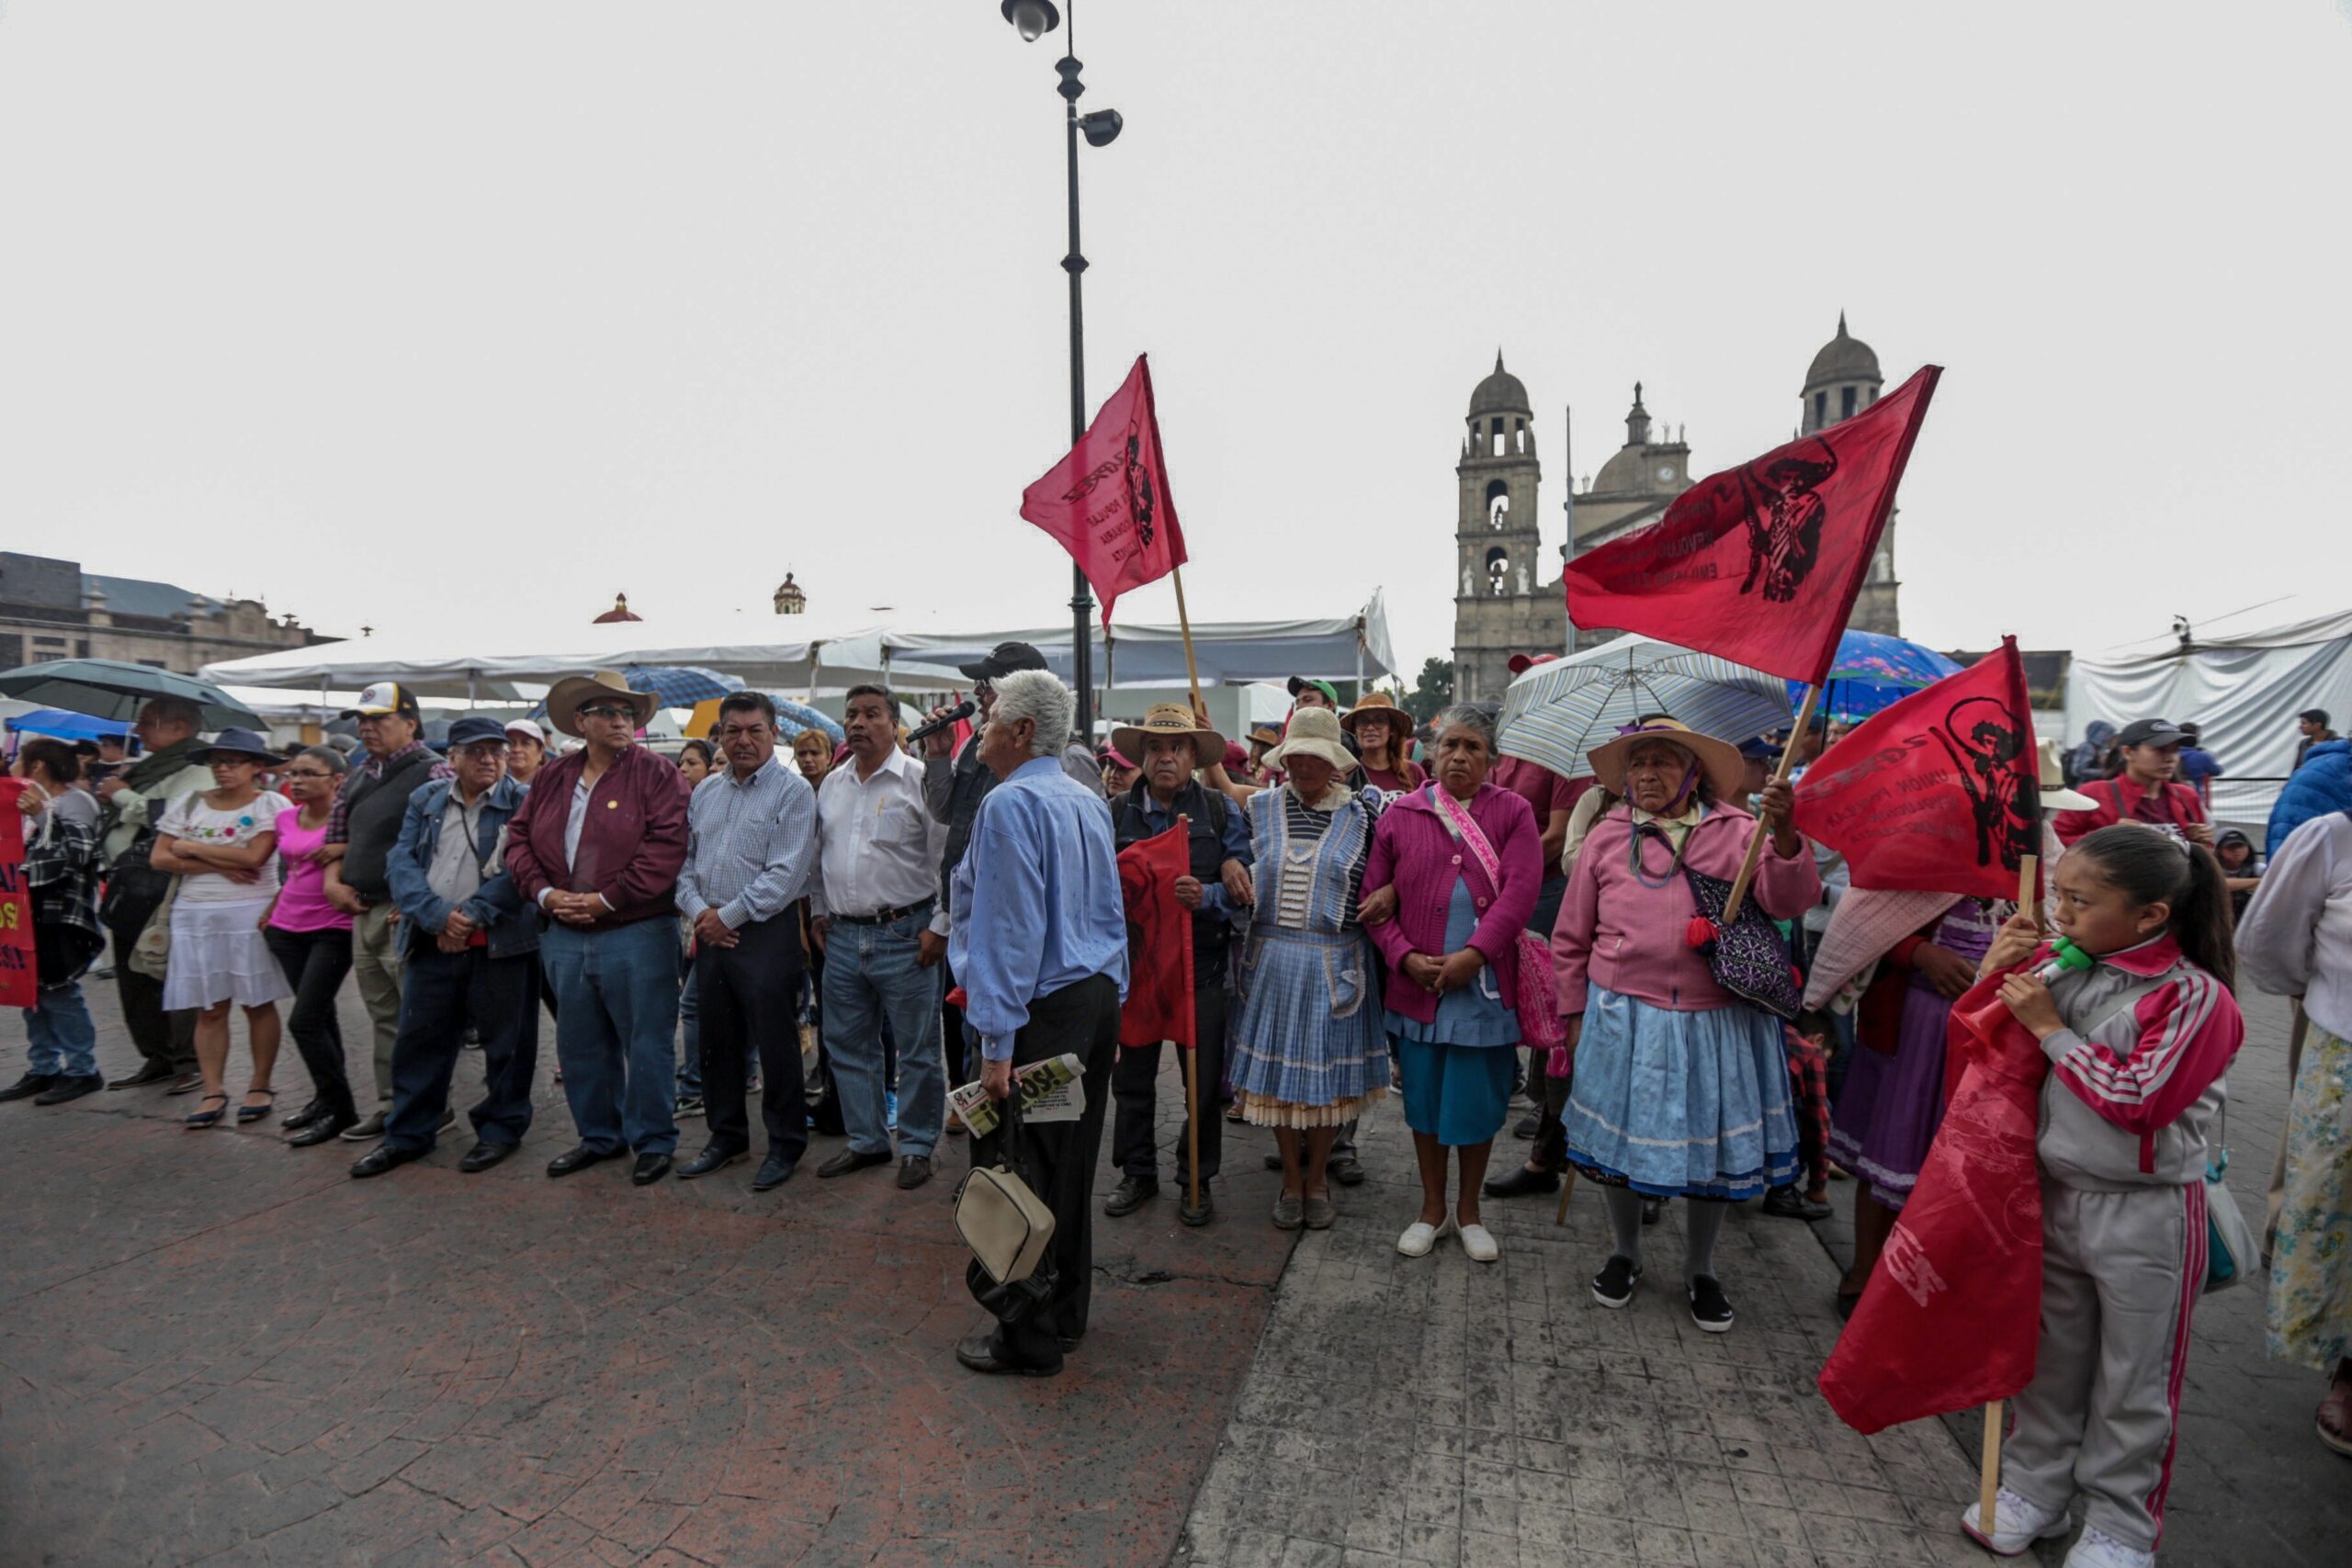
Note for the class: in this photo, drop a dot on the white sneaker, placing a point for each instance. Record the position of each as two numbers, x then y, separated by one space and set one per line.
1478 1245
2017 1525
2099 1550
1419 1236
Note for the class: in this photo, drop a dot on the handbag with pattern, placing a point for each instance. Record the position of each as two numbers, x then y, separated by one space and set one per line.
1749 958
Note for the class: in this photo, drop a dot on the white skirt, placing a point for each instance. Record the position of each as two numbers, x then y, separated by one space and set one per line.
218 956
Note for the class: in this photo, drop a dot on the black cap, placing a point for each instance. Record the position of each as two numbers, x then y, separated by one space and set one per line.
1002 660
472 730
2150 732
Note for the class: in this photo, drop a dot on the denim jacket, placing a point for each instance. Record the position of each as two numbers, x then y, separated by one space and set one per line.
513 928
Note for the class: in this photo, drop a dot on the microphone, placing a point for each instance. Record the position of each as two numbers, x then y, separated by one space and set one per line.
2065 959
948 720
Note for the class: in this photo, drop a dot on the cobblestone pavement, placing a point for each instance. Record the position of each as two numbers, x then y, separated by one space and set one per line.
216 1349
1434 1411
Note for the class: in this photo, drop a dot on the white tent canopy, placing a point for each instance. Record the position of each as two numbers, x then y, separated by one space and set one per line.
2243 688
1345 648
796 658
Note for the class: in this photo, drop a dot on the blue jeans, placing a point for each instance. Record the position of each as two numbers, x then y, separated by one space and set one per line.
871 974
64 1042
617 994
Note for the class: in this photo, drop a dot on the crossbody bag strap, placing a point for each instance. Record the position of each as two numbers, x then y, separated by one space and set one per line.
1465 831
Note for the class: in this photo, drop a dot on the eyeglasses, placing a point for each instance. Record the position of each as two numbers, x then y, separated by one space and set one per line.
605 710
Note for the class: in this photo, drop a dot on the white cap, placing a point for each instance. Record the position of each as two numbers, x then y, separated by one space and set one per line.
524 727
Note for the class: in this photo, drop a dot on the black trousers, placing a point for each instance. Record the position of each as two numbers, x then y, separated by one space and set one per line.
441 993
750 995
1135 1136
165 1039
1082 1019
316 964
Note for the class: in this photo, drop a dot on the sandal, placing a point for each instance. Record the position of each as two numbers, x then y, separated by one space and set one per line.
206 1118
2334 1421
257 1113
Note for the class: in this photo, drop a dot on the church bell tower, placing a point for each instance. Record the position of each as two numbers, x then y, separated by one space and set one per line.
1497 544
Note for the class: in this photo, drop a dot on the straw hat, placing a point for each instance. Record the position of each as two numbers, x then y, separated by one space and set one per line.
1168 718
1720 759
2055 795
1379 705
572 694
1314 732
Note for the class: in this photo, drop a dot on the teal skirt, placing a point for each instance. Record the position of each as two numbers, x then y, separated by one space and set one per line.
1458 1094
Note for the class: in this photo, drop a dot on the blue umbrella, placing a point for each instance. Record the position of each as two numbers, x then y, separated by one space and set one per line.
63 726
679 685
791 717
1874 672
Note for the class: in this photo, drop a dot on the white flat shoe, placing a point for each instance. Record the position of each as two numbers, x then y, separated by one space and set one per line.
1478 1244
1420 1237
2097 1549
2018 1525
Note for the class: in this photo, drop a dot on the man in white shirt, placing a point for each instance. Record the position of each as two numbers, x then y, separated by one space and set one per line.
879 919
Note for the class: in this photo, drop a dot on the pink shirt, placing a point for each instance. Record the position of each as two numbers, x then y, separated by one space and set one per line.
302 905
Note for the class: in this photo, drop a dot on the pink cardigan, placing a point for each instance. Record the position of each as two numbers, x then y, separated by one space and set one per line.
1411 848
1614 931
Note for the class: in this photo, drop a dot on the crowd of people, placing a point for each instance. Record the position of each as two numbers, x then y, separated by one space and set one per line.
1376 906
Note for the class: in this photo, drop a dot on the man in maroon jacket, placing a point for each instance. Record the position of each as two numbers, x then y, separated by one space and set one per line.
597 846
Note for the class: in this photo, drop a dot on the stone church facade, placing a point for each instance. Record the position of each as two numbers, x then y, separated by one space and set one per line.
1509 600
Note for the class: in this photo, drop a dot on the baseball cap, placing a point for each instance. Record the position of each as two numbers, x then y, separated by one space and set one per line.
1758 748
384 696
526 730
1520 663
1300 683
1002 660
2150 732
474 730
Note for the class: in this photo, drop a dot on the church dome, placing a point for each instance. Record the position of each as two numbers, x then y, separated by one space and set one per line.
619 612
1501 392
1843 358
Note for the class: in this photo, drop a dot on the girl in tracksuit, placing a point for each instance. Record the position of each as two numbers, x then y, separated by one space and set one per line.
2137 1045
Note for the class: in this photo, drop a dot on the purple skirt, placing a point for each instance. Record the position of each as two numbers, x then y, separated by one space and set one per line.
1890 1107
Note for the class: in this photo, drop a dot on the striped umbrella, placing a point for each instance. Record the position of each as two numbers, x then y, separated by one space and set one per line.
1556 713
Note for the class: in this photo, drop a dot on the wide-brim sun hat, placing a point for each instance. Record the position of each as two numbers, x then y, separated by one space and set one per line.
235 742
2055 795
1719 760
1380 706
1169 719
1314 732
569 695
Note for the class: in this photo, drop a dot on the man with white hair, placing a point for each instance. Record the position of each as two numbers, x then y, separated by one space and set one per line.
1040 942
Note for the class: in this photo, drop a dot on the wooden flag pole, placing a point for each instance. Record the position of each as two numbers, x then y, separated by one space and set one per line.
1988 1477
1192 1121
1184 628
1567 1187
1756 839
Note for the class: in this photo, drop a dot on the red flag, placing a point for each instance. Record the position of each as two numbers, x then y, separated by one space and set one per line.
1952 1312
1107 501
1761 563
19 962
1159 941
1941 793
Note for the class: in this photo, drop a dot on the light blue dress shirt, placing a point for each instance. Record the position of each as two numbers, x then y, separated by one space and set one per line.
1037 901
750 846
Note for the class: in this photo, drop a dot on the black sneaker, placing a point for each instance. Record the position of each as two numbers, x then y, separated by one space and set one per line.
689 1105
1613 1286
1710 1308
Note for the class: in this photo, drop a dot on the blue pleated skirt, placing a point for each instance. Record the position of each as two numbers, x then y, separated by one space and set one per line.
1680 1104
1306 1048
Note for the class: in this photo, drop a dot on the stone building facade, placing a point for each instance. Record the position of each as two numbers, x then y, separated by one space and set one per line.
53 609
1507 594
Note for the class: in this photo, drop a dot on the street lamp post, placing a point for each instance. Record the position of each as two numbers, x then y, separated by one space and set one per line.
1034 19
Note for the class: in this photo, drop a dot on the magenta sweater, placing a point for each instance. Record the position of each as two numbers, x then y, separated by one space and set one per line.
1614 931
1411 848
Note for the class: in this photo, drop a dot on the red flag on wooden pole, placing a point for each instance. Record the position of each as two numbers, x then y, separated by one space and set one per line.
1761 564
1159 941
1107 501
1940 792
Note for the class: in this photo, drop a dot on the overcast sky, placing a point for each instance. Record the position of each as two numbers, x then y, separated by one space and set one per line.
424 315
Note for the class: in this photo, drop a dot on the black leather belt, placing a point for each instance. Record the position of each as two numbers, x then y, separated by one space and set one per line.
884 917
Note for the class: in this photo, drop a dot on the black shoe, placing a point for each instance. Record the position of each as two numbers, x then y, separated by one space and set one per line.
1788 1204
1528 1125
1132 1193
72 1085
1522 1183
913 1171
848 1160
579 1158
187 1083
1274 1162
977 1351
482 1156
448 1119
304 1117
152 1072
361 1131
1710 1308
775 1171
1613 1286
1651 1209
28 1086
322 1129
650 1168
1193 1217
383 1157
1345 1169
716 1156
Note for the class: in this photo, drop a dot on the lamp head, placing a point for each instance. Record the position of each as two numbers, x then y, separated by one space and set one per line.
1102 126
1033 19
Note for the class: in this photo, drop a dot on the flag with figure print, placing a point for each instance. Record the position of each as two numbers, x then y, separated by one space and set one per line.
1107 500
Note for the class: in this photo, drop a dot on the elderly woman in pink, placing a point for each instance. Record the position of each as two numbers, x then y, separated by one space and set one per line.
1464 859
1681 1088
